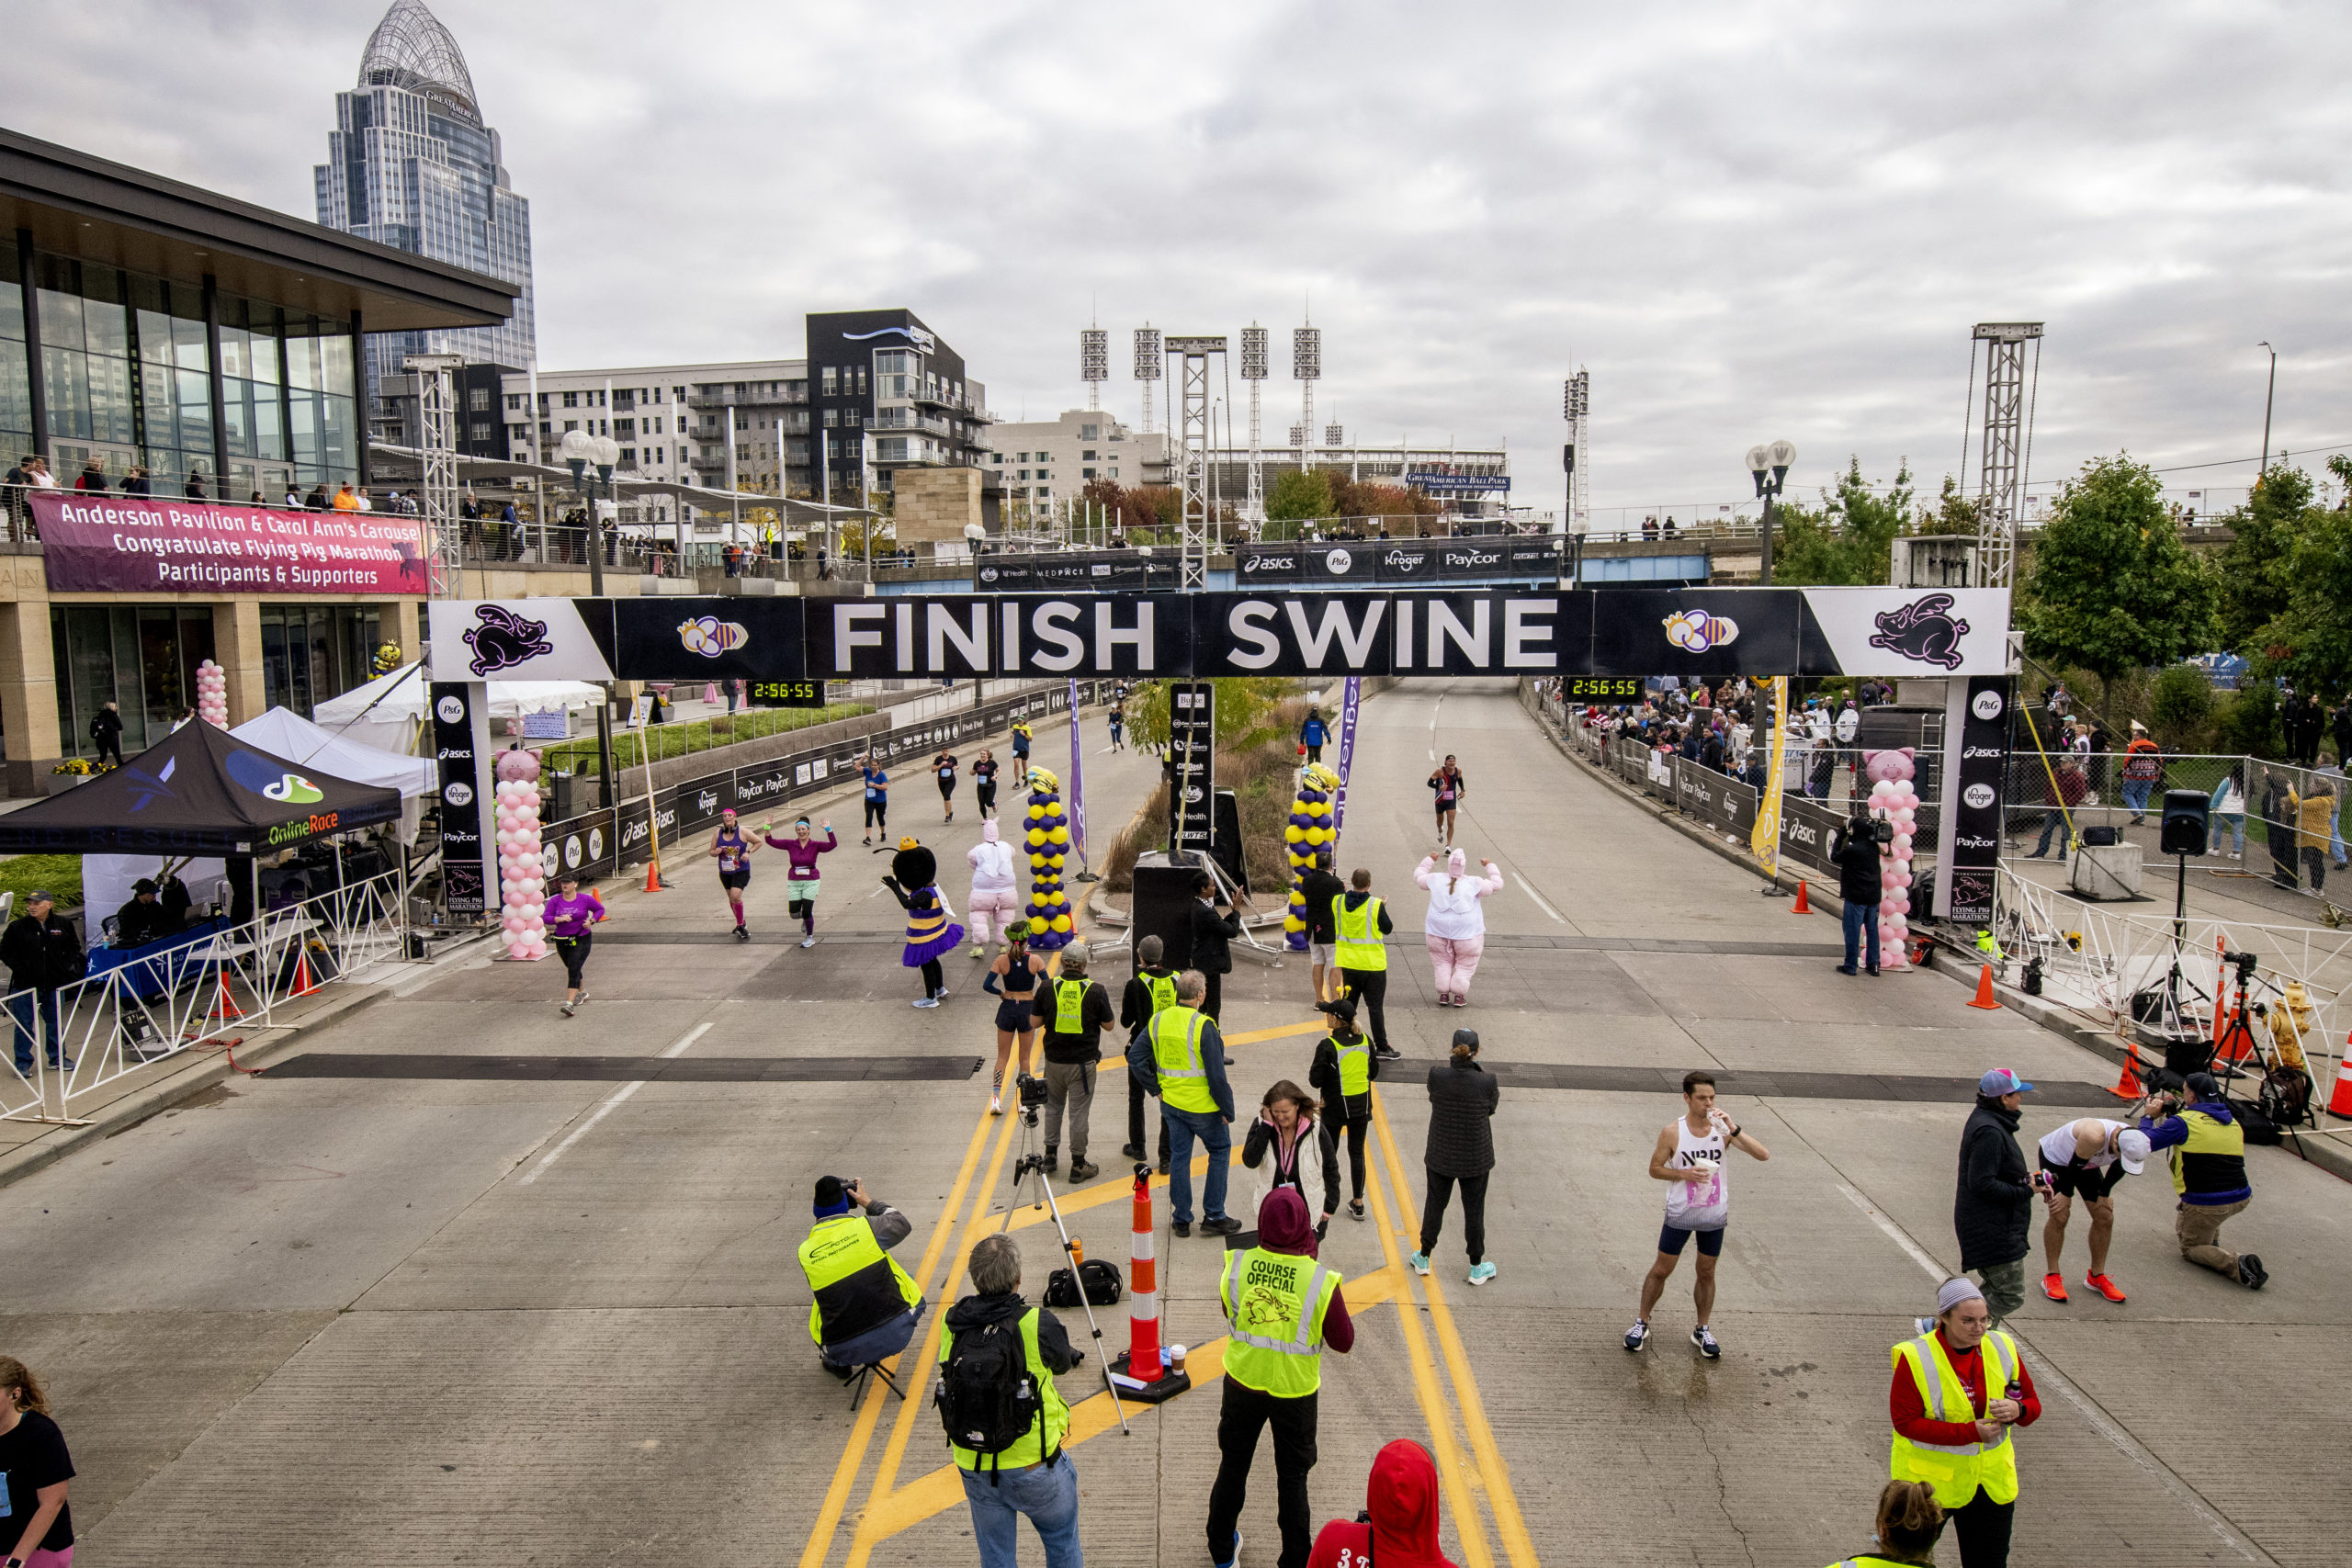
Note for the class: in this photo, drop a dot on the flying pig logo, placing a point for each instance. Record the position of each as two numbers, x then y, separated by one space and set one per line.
1695 631
1925 630
505 639
710 636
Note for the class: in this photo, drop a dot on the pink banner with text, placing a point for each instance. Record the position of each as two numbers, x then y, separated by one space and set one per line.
100 544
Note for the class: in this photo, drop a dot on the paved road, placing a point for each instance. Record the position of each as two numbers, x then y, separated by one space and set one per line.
406 1315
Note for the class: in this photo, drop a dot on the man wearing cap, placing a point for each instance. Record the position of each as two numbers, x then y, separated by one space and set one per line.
1075 1011
142 920
2208 1173
2143 767
866 1308
1960 1391
43 951
1993 1206
2085 1159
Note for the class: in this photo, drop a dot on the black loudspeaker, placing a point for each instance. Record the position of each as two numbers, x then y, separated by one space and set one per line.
2185 822
1163 907
1224 839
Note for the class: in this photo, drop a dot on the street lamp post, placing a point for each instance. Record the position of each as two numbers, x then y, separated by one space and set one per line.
579 450
1769 465
2267 398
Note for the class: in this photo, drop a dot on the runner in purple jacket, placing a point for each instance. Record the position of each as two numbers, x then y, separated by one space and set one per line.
801 883
569 916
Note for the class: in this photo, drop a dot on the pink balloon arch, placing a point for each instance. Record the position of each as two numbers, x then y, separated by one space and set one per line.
1894 800
523 873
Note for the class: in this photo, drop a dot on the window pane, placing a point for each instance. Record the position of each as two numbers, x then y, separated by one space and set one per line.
334 355
61 319
65 381
236 354
188 344
196 412
110 400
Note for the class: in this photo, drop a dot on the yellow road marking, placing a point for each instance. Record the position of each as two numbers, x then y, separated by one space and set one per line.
886 1478
1508 1524
1251 1037
829 1517
1114 1190
1450 1469
929 1495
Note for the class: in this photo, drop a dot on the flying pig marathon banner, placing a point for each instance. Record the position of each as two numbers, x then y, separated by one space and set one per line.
1272 630
101 544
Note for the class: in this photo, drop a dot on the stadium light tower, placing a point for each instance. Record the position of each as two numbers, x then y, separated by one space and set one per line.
1575 408
1148 367
1307 366
1253 370
1093 364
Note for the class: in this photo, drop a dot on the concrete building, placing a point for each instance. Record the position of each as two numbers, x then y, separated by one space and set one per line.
1043 463
189 335
412 166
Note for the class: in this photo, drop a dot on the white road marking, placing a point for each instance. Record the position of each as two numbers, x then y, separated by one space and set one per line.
1433 711
1529 888
606 1109
2101 1422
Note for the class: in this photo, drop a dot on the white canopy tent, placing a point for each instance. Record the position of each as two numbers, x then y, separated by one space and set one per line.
384 713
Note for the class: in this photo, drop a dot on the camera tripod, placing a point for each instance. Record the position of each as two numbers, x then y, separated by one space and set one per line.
1029 1164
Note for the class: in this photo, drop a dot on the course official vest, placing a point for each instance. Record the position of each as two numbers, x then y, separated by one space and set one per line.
2214 1157
1045 1436
1176 1052
1355 1064
1275 1303
858 1286
1162 989
1360 943
1957 1471
1070 1006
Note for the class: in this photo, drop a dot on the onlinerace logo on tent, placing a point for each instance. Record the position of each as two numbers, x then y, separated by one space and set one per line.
272 782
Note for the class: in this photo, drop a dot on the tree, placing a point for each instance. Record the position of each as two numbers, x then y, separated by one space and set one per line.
1300 495
1849 541
1401 507
2112 588
1954 513
1249 711
2257 565
2309 641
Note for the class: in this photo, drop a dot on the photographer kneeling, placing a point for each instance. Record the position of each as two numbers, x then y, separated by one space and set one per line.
1854 850
867 1307
1005 1419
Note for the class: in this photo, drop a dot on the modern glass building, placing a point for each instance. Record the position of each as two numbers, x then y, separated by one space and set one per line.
146 324
411 165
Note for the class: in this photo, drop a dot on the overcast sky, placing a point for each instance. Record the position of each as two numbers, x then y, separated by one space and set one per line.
1749 220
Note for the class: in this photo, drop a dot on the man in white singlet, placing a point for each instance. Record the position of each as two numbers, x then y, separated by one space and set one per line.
1689 1158
2085 1159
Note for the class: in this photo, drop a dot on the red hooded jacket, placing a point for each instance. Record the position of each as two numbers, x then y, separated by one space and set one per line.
1401 1496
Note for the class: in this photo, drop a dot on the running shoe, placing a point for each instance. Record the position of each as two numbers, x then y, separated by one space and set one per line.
1083 1171
1229 1562
996 1102
2251 1273
809 940
1419 1263
569 1007
928 1002
2105 1286
1481 1272
1388 1053
978 954
2054 1286
1355 1208
1132 1151
742 935
1637 1335
940 995
583 998
1705 1338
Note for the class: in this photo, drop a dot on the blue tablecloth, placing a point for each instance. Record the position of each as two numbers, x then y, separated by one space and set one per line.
134 971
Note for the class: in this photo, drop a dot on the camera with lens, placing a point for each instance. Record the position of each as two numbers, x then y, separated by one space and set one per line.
2246 963
1863 828
1031 1088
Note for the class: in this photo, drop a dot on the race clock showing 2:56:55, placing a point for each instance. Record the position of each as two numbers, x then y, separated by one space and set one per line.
787 693
1604 688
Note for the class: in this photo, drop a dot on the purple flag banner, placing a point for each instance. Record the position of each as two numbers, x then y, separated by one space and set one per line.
1349 704
1076 795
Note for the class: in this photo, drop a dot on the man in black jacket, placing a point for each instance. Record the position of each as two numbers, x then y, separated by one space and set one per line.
105 733
1853 848
142 920
43 951
1211 934
1073 1012
1992 1209
1319 887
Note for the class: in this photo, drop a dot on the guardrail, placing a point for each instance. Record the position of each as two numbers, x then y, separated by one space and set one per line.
228 980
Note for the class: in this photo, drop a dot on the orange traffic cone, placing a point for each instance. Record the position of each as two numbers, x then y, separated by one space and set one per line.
225 1006
653 883
1802 907
304 984
2129 1086
1984 998
2339 1103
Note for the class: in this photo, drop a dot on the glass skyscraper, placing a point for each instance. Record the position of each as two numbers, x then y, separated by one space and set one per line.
411 165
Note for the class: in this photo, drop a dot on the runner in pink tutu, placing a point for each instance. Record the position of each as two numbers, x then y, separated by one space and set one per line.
1456 929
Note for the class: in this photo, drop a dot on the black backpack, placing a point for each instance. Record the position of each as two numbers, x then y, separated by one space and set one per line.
986 1396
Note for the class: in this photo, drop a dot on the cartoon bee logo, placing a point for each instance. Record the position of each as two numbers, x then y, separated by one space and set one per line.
710 636
1695 631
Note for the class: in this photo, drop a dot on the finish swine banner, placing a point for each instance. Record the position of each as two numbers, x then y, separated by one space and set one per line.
99 543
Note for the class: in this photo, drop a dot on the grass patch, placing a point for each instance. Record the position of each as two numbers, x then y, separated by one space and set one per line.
668 740
60 874
1264 778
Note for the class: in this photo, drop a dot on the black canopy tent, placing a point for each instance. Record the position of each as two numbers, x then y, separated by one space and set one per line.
200 791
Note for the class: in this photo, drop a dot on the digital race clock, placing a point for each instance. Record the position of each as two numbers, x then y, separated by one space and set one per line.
787 693
1604 688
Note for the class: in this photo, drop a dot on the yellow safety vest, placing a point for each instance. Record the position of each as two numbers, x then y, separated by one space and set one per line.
1070 1006
1176 1052
1355 1064
857 1285
2215 1150
1162 989
1360 943
1958 1471
1045 1433
1868 1560
1274 1304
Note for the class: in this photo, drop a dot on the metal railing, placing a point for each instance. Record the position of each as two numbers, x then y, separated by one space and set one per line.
218 983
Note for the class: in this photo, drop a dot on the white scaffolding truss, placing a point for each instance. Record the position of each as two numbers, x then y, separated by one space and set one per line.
437 402
1191 460
2006 443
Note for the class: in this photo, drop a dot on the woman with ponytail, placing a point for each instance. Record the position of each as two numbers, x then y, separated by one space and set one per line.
1460 1149
38 1529
1909 1520
1455 926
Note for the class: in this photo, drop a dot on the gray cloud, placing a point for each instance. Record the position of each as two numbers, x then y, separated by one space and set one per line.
1749 220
